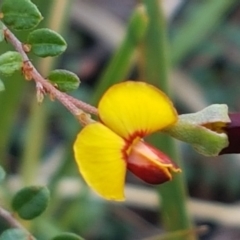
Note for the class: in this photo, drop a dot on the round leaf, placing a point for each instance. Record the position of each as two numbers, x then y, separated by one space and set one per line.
2 87
30 202
20 14
45 42
67 236
10 62
2 174
15 233
64 80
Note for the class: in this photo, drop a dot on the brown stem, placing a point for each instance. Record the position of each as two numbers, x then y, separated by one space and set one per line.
75 106
13 222
82 105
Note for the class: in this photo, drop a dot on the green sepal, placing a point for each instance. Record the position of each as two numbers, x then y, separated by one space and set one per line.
64 80
10 62
30 202
68 236
45 42
20 14
1 32
190 129
15 234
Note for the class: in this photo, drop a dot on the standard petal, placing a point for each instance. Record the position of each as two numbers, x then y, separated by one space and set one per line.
136 109
99 155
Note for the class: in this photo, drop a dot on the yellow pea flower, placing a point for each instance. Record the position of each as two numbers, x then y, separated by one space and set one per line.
104 150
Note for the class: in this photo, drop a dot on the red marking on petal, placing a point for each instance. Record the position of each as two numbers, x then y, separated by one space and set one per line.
130 142
135 135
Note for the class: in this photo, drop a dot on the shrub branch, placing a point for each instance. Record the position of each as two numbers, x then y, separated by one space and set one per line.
8 217
77 107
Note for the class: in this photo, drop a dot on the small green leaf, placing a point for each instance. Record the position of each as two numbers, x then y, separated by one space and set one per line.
64 80
10 62
15 233
45 42
2 87
67 236
30 202
1 32
2 174
20 14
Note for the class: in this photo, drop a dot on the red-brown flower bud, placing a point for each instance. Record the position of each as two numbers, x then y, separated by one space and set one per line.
232 130
149 164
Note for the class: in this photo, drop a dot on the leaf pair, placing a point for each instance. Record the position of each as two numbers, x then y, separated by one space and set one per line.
24 15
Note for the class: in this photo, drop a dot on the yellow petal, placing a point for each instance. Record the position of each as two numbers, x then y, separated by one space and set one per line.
99 155
136 108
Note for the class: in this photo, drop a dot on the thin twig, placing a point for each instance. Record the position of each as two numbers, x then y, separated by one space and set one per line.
13 222
75 106
82 105
9 218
